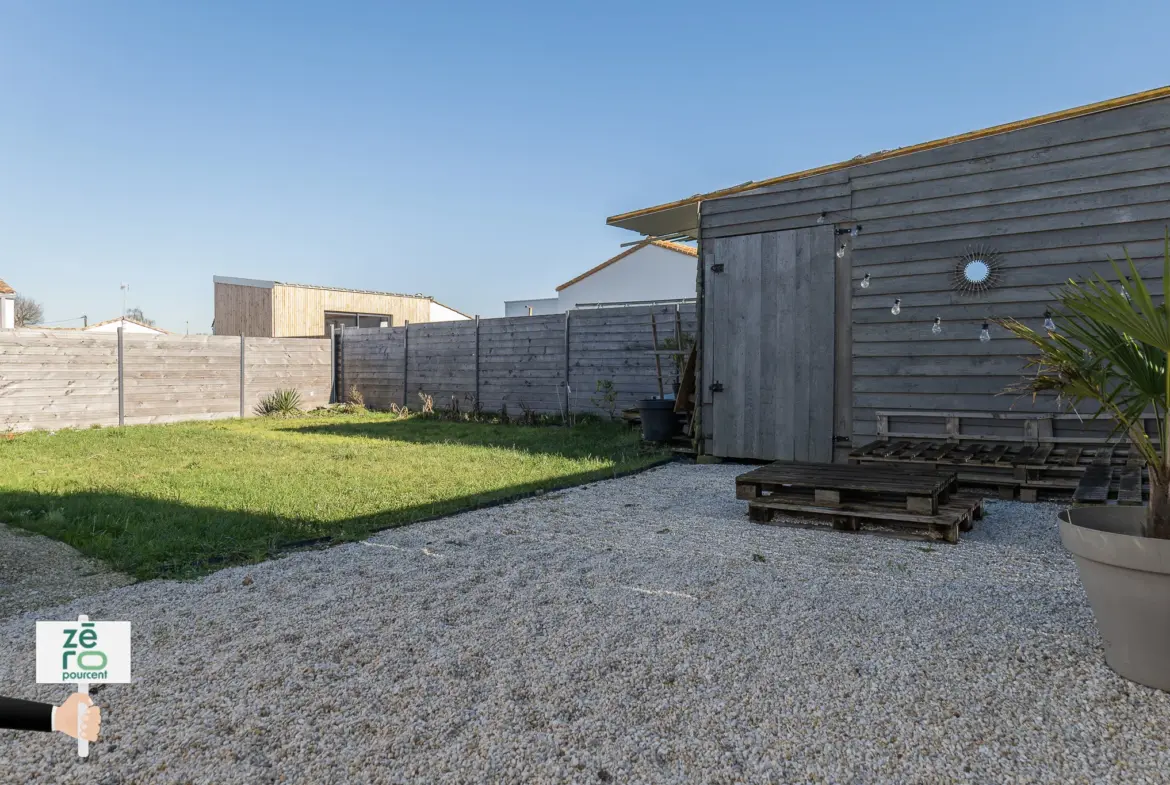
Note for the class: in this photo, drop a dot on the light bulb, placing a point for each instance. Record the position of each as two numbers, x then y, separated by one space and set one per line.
1125 294
865 281
985 333
1049 325
937 327
821 219
897 309
856 230
841 251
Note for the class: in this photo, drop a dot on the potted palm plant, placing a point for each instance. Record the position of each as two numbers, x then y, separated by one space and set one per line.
1111 346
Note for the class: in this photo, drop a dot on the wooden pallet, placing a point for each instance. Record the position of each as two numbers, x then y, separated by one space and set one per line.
1104 484
958 514
1028 470
920 490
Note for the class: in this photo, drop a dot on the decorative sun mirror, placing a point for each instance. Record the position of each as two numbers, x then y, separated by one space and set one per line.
977 271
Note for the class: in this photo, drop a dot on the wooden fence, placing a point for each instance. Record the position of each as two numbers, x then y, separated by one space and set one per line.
544 364
59 379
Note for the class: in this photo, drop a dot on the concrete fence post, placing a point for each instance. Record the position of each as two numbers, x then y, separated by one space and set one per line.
121 378
243 379
567 367
405 361
334 388
476 393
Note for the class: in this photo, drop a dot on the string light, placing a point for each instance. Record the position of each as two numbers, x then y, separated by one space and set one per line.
897 309
985 333
841 251
865 281
856 230
822 217
1049 325
936 328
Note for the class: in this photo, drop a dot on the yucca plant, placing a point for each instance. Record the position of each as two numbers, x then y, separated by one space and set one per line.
1112 345
281 402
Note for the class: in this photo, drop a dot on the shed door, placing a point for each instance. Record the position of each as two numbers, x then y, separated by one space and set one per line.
769 331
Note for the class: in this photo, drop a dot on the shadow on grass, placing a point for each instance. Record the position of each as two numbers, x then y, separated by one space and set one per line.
148 537
580 441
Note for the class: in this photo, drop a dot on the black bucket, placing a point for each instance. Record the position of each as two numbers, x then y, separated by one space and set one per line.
659 423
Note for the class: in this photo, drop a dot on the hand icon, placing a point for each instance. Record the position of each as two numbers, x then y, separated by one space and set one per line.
65 718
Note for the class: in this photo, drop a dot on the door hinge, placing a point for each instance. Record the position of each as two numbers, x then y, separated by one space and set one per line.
717 268
716 387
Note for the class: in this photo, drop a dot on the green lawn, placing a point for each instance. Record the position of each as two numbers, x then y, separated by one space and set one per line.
178 500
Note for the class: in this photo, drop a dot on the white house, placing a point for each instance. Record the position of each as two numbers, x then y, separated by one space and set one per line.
127 325
651 271
537 306
7 306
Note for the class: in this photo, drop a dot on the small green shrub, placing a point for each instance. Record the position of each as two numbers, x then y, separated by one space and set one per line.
282 403
355 398
606 398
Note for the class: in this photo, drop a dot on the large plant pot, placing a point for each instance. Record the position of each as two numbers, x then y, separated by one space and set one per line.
1127 579
658 421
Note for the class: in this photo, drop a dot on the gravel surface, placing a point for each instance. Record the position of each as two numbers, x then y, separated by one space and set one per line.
638 630
37 572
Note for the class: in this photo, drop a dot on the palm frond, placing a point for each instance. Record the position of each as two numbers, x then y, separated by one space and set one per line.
1111 346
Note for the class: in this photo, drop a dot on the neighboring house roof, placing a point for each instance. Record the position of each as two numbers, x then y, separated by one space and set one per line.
102 324
269 284
629 220
679 247
123 319
5 288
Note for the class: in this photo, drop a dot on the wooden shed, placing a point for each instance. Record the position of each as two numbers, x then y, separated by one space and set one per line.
820 291
271 309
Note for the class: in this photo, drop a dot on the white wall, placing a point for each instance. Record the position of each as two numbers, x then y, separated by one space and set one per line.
441 313
540 306
649 273
7 312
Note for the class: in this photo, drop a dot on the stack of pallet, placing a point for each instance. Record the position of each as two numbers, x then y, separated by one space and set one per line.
1092 473
921 503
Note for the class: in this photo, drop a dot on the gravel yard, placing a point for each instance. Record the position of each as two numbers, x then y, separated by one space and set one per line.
635 630
36 571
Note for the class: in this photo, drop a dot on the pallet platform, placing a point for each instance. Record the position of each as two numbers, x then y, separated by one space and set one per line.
919 490
958 514
1026 471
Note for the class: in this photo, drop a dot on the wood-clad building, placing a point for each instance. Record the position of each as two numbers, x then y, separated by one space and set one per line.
803 350
271 309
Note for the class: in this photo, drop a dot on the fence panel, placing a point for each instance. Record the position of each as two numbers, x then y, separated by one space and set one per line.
441 364
521 362
64 378
57 379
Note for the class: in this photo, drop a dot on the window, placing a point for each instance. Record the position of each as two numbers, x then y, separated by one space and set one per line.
338 319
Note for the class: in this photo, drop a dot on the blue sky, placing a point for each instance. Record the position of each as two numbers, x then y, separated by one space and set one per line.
472 151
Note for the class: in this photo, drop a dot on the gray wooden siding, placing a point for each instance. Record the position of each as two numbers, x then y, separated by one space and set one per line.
521 362
1055 201
60 379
